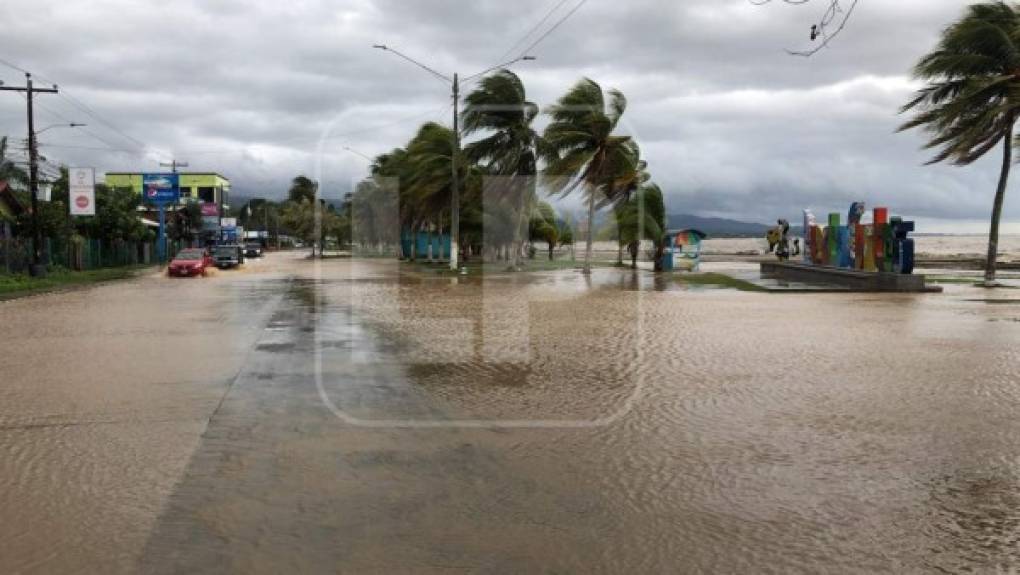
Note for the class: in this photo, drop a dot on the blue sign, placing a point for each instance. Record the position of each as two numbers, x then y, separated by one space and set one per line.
160 189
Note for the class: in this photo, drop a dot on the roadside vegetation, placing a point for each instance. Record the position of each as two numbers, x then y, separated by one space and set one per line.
19 285
503 170
712 279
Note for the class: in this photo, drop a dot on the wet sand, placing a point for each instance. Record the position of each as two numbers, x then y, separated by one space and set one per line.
363 419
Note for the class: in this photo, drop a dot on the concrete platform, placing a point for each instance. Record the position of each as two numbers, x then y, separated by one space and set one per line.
851 280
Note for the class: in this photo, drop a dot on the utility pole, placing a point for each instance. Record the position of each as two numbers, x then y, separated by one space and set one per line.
173 165
37 268
455 182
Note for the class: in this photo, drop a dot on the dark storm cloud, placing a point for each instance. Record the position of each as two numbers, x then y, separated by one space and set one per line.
730 124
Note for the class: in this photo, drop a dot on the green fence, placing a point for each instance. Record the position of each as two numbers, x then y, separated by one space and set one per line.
76 253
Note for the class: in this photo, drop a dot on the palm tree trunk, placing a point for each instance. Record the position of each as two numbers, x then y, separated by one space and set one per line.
1000 194
660 250
518 242
591 229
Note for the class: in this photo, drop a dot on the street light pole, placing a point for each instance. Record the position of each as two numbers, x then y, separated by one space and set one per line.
455 181
455 152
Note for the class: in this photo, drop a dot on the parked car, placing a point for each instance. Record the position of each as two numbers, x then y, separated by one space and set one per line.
228 255
253 250
190 262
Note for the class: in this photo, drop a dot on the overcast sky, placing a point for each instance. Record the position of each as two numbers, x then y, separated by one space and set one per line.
730 124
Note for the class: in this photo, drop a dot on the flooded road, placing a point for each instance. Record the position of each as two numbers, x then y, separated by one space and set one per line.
354 416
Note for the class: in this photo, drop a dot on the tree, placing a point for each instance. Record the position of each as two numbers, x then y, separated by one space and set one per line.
643 217
186 223
10 172
499 107
374 214
302 188
426 182
834 19
581 150
972 97
299 220
116 216
544 226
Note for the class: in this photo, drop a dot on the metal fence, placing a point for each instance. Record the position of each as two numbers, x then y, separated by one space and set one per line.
75 253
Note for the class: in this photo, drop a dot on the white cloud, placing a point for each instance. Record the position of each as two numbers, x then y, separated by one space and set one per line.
731 125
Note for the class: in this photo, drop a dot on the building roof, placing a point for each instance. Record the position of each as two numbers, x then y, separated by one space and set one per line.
217 174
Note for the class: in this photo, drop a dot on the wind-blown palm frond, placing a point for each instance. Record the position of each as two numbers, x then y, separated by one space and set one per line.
509 153
581 151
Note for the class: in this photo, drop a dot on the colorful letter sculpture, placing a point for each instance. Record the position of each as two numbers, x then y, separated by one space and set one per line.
809 222
882 246
832 235
878 241
818 245
852 220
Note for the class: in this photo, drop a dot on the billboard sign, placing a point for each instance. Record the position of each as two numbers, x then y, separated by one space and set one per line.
160 189
82 191
210 223
228 223
210 209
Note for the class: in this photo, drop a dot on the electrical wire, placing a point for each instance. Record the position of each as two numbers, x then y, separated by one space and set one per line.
552 28
533 29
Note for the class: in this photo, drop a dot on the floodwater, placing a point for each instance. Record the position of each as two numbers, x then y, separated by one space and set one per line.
353 416
927 246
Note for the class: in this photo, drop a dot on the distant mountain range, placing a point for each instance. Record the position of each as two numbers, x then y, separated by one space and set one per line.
719 227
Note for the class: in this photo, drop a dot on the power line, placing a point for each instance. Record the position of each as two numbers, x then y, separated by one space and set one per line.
533 29
83 130
98 148
95 115
15 67
553 27
81 106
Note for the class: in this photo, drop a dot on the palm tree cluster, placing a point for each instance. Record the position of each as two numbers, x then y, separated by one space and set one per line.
971 100
580 151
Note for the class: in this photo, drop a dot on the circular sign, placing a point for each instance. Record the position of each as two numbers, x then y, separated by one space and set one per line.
82 202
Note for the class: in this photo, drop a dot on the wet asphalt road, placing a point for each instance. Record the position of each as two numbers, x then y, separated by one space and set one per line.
345 417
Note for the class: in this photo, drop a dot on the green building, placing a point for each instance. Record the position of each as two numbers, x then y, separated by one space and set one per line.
209 189
204 187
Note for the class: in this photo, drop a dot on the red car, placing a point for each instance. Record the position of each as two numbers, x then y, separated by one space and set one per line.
190 262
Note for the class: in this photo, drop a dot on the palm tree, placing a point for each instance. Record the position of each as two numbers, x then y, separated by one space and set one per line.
499 106
972 97
429 183
422 169
544 226
631 179
643 217
581 151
